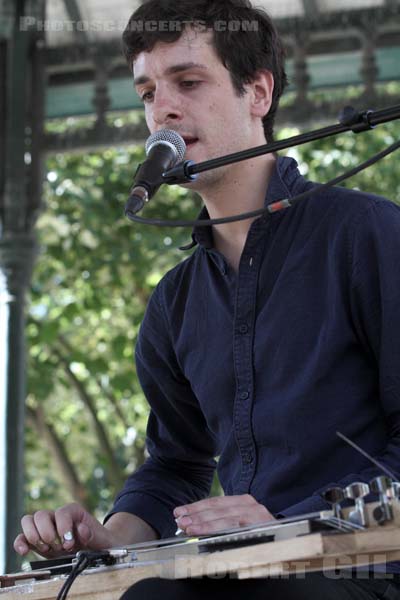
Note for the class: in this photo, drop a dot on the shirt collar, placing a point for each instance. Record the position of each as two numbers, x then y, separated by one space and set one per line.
285 182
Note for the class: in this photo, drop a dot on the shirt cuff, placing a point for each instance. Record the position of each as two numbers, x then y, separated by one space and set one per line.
148 508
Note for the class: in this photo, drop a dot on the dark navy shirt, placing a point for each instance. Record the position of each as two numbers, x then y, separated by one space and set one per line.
259 369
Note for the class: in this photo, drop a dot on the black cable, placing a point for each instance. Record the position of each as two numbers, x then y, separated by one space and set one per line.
80 566
274 207
85 559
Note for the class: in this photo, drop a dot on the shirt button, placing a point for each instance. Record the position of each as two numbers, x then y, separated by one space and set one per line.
248 458
244 395
243 328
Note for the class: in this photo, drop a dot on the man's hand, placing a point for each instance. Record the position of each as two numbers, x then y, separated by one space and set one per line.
222 512
68 529
71 528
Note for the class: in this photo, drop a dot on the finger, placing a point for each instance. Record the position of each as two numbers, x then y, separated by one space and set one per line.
32 534
260 516
216 502
21 544
65 525
46 526
256 513
85 534
234 517
74 526
87 531
214 526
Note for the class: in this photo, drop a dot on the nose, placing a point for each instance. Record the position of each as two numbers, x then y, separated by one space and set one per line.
165 107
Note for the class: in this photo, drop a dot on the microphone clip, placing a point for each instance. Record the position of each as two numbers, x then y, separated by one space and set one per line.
179 174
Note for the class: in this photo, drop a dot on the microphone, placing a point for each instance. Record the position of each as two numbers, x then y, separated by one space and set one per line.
164 149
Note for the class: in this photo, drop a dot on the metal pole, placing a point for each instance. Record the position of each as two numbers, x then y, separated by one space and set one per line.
17 256
16 260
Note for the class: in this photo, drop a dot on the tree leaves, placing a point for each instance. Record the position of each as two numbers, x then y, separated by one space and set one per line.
90 288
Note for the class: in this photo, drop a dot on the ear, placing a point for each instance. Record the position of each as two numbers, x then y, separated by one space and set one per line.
261 89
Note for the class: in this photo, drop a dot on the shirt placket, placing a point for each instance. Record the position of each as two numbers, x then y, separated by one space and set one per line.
243 339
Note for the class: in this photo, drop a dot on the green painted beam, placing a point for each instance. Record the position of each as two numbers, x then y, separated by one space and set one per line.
330 70
76 99
335 70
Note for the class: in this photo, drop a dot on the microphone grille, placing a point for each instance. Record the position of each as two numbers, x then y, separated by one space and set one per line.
168 135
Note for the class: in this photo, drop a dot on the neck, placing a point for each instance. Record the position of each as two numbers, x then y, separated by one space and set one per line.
240 190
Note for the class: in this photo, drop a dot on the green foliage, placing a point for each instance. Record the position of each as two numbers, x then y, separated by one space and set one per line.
89 292
323 160
90 288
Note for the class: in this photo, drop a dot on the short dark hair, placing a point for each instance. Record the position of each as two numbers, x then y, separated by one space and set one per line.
243 52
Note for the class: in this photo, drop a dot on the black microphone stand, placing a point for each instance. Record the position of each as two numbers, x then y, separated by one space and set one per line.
349 120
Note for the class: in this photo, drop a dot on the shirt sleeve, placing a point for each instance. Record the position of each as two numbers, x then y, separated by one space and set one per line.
374 297
180 466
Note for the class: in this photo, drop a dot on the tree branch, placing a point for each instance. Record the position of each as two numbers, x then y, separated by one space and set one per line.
114 471
107 392
59 453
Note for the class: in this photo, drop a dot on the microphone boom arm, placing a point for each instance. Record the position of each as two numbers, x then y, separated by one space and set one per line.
349 120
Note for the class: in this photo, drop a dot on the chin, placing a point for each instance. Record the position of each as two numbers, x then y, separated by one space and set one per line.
191 155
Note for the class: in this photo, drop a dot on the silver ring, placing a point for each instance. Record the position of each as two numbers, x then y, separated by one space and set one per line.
68 536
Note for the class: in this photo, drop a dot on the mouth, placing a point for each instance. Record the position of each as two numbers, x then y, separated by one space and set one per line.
190 141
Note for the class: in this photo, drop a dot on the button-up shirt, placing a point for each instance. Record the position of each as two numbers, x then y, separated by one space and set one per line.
256 371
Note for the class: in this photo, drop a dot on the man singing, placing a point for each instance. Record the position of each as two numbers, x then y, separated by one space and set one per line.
273 335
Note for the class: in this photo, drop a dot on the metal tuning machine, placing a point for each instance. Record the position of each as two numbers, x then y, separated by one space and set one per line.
357 492
383 486
396 489
334 496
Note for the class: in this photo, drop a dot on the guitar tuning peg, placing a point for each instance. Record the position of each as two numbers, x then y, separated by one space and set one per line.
334 496
359 489
396 489
357 492
383 486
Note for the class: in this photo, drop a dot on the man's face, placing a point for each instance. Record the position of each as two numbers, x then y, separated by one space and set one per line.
185 87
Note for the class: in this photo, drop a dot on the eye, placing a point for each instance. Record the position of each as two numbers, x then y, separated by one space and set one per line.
189 83
146 96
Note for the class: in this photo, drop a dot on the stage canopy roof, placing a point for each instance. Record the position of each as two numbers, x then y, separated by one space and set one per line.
330 43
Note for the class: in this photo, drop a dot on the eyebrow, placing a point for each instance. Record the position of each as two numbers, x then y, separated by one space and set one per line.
171 71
